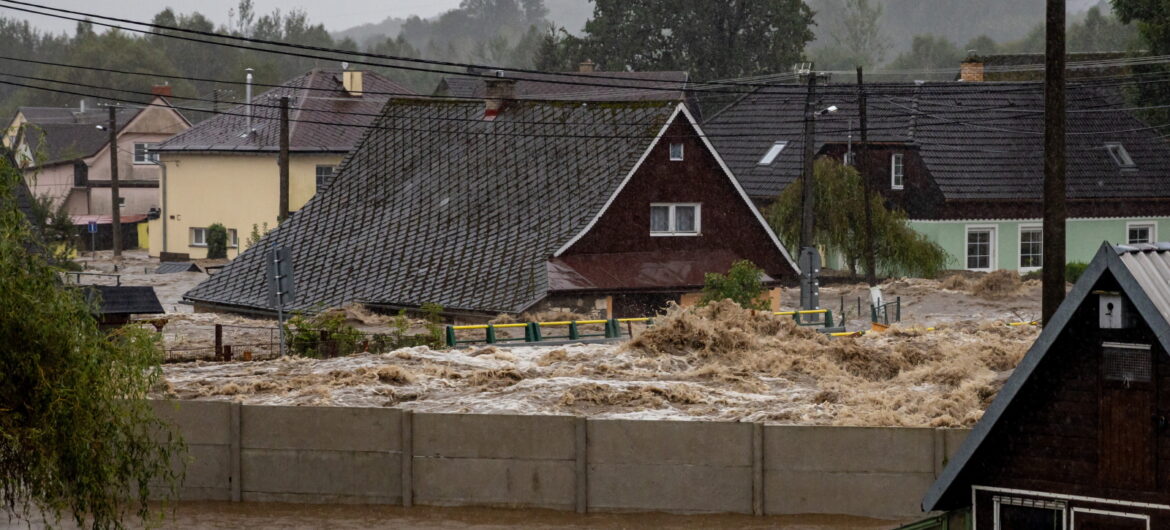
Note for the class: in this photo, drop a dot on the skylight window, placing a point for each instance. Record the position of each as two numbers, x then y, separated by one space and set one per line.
772 153
1120 155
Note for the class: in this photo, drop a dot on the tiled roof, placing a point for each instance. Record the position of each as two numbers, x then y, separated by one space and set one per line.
319 121
587 86
125 300
437 205
978 140
55 134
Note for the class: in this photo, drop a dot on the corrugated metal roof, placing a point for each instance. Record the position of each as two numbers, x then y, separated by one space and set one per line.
1150 266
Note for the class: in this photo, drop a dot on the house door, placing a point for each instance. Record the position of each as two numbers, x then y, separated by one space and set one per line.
1127 438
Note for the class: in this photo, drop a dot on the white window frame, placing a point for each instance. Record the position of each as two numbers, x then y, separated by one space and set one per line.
670 222
1152 225
149 159
976 489
316 173
233 238
1056 506
774 151
194 241
1120 156
1111 513
897 171
681 152
992 258
1020 242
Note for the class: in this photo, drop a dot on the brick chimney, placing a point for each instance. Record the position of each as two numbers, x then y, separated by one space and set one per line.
587 67
497 92
971 69
161 90
352 81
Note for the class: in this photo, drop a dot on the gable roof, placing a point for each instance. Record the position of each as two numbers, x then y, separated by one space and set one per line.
578 86
56 134
125 299
440 206
1143 271
323 117
977 140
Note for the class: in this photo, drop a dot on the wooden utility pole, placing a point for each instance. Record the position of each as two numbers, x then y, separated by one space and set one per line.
1055 211
115 196
283 161
867 186
806 178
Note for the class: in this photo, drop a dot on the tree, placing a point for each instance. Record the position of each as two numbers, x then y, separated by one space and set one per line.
1153 23
927 52
839 210
741 285
860 34
711 40
77 436
217 239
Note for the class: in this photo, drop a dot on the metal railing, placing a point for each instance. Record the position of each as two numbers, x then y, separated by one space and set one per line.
534 331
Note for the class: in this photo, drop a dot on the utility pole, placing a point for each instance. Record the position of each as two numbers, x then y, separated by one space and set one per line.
115 197
1055 210
806 178
283 161
867 186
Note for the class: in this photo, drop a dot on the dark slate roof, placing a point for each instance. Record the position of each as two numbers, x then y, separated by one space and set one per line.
125 300
55 134
978 140
588 86
1143 271
172 267
319 121
437 205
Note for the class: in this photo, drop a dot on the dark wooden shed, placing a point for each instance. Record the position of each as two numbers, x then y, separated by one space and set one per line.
1078 437
119 303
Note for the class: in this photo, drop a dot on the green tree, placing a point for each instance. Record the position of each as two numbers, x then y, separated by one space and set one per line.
741 285
860 34
839 209
711 40
217 239
77 436
1152 18
928 52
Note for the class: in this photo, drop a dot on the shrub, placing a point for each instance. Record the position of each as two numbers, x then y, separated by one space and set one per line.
741 285
1074 270
217 240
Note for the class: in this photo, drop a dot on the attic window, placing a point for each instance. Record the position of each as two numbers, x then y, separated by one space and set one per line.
772 153
676 152
1120 156
1127 363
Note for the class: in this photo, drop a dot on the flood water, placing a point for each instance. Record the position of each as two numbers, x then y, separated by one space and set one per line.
274 516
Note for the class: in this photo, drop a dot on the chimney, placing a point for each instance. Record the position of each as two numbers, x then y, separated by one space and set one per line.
163 90
587 67
497 92
352 81
248 99
971 69
81 107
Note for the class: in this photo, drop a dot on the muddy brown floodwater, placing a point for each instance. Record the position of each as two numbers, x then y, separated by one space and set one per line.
273 516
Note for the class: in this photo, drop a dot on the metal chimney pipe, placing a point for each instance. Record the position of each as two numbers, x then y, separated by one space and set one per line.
248 98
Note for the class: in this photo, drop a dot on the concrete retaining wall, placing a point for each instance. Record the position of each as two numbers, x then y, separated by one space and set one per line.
390 456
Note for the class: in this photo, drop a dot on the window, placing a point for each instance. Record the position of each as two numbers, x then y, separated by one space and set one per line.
1014 513
1120 156
676 152
1031 247
121 201
897 172
674 219
980 248
772 153
143 154
1127 363
199 237
324 175
1138 233
233 238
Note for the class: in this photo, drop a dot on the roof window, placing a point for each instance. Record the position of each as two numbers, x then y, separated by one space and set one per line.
1120 155
772 153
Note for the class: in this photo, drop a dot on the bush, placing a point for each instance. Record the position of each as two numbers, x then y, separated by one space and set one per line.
328 332
217 239
741 285
1074 270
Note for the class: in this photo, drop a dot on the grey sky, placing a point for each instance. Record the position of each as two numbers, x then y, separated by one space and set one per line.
335 14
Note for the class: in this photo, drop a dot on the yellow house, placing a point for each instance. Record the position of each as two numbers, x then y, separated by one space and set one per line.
225 170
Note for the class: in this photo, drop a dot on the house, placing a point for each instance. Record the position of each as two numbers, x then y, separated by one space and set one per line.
586 84
225 170
965 161
1077 437
506 206
65 156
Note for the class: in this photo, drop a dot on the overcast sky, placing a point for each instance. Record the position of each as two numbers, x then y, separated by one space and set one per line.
335 14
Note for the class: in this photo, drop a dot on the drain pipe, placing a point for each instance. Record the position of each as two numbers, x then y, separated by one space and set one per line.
248 98
163 214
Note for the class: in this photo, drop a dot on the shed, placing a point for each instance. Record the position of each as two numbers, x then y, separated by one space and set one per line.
1078 437
120 302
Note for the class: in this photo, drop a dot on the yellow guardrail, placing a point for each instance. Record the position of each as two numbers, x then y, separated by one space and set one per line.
802 312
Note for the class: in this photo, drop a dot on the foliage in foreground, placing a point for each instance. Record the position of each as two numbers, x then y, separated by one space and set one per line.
217 241
329 332
741 285
77 436
839 209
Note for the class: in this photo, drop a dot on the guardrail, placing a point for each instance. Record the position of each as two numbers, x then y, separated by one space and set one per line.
78 274
826 321
880 314
534 331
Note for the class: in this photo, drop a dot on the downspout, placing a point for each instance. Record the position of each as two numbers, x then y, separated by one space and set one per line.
163 214
248 97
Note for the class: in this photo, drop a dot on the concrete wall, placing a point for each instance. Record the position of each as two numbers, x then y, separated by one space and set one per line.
390 456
